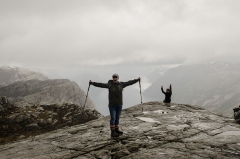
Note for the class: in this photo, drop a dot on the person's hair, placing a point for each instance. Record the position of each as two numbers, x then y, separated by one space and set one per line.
168 89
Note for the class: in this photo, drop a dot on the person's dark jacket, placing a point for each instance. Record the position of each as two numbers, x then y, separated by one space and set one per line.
115 90
167 95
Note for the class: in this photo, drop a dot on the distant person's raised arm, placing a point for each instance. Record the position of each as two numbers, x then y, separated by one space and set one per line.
162 90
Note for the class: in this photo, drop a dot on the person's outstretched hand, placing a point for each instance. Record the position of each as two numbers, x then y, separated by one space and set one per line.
161 86
139 79
90 82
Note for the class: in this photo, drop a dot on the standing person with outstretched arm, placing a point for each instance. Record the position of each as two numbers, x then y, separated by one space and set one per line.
115 98
168 94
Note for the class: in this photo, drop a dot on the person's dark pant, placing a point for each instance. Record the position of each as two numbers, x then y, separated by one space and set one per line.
166 101
115 112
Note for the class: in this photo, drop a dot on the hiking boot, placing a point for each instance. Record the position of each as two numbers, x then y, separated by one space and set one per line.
114 134
118 132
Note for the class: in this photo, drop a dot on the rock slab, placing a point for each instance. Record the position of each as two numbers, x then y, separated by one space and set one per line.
160 131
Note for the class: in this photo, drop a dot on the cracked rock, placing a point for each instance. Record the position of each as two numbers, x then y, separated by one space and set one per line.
184 132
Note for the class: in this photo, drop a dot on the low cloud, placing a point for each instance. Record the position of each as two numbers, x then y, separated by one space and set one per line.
63 33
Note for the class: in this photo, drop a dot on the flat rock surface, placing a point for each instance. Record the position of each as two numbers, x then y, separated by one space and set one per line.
160 131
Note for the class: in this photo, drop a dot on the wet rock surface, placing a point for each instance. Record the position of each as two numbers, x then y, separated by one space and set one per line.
160 131
21 122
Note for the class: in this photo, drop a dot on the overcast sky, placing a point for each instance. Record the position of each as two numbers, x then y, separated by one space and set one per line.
53 33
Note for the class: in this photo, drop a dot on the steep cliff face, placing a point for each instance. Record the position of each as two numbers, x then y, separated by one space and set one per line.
10 74
22 122
31 92
160 131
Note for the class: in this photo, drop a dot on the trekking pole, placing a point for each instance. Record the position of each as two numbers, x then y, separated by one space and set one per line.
86 96
140 93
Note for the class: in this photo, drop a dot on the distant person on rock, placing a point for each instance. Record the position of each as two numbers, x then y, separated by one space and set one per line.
237 114
168 94
115 98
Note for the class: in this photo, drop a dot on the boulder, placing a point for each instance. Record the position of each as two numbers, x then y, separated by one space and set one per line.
32 127
43 123
1 108
236 112
3 100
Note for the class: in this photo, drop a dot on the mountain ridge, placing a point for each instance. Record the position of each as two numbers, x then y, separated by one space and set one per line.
12 74
24 93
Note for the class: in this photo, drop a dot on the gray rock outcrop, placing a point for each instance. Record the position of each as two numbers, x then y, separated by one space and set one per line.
27 93
22 122
160 131
10 74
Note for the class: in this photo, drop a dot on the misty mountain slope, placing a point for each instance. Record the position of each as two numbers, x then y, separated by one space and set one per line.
214 86
45 92
160 131
10 74
82 79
